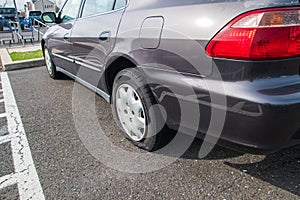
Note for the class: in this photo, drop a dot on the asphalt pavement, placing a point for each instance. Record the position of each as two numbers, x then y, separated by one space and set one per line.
68 170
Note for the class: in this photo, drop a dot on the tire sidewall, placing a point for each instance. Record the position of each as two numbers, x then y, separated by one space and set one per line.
53 74
127 77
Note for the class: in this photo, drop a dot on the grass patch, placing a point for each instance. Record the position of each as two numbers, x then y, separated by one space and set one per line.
17 56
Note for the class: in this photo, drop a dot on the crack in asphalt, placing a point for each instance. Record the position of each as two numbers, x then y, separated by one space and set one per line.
231 185
19 136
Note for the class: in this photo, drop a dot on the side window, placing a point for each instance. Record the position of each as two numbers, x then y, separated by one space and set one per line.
92 7
120 4
70 10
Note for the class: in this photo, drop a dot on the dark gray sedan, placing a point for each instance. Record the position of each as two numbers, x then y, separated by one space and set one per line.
226 71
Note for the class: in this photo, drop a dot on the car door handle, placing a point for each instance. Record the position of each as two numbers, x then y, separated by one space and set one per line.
104 35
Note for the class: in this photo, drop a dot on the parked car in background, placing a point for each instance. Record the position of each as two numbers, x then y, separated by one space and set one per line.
137 54
8 13
34 15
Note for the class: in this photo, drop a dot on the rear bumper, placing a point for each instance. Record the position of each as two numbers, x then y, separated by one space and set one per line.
276 127
260 114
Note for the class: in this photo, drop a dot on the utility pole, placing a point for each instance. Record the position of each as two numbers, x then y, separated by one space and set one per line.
43 5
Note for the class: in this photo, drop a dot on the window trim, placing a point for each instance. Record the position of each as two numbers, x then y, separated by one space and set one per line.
78 13
104 13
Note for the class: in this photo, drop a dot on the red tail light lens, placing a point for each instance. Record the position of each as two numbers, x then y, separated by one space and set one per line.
259 35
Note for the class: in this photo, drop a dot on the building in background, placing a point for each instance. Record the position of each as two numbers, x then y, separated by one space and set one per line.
29 5
49 6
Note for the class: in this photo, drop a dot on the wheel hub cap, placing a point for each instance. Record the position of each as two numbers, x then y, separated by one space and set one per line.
48 62
131 112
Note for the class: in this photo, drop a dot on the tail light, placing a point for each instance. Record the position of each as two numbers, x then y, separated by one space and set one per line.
259 35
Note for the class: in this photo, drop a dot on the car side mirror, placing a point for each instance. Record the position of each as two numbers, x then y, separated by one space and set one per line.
49 17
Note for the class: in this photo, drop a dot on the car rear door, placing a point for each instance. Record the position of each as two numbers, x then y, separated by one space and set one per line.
59 43
93 37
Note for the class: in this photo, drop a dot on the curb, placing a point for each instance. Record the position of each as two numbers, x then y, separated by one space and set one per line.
8 65
23 64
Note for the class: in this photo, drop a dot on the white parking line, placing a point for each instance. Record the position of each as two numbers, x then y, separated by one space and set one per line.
8 180
25 174
3 115
6 138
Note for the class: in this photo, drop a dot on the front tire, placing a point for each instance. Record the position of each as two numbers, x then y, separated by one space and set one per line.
50 65
136 111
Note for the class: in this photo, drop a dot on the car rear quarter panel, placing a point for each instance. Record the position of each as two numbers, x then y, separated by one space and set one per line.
188 27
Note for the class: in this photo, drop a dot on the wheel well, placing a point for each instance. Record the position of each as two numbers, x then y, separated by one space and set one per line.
114 68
